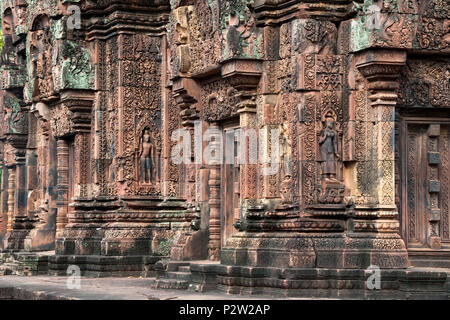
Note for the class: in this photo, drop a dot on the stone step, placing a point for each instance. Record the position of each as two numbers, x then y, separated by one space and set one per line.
170 284
174 266
5 271
184 269
6 259
167 265
27 271
13 266
178 275
10 268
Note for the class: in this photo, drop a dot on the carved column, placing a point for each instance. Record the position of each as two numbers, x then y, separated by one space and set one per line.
381 69
434 186
18 223
63 185
20 197
81 163
11 193
214 210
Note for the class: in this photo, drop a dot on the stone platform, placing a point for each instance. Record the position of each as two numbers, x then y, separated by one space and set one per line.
211 280
55 288
410 283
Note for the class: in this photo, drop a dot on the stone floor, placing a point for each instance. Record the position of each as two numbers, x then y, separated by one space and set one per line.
13 287
55 288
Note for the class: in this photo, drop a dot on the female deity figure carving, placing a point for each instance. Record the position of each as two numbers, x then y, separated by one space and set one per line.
147 157
328 145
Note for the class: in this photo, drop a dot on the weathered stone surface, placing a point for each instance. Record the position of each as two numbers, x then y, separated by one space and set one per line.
257 134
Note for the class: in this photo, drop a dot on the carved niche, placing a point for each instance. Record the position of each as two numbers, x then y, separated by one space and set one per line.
140 58
332 190
40 42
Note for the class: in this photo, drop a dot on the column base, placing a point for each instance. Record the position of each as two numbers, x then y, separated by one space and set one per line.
15 240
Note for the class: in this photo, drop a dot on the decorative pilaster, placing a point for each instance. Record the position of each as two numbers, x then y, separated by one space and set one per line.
18 224
11 193
214 209
434 186
381 69
82 166
63 185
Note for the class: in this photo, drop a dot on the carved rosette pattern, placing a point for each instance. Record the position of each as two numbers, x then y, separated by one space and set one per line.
61 121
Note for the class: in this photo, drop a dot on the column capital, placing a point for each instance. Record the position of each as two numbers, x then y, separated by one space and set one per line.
381 68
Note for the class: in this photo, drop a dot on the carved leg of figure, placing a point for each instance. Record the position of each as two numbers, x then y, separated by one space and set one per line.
142 170
149 171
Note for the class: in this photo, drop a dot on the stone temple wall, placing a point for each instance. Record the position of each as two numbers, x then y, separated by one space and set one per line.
118 118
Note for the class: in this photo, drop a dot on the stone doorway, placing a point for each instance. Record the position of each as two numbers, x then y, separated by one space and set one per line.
230 178
423 188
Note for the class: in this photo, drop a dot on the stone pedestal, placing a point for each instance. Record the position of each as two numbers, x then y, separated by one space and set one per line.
120 236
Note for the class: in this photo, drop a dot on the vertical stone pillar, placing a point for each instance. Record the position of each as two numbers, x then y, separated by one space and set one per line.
81 178
63 185
18 223
11 193
214 211
434 186
21 193
383 104
3 201
381 68
249 171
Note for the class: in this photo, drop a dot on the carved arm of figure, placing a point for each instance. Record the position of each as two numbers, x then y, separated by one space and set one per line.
323 136
335 144
154 155
140 147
